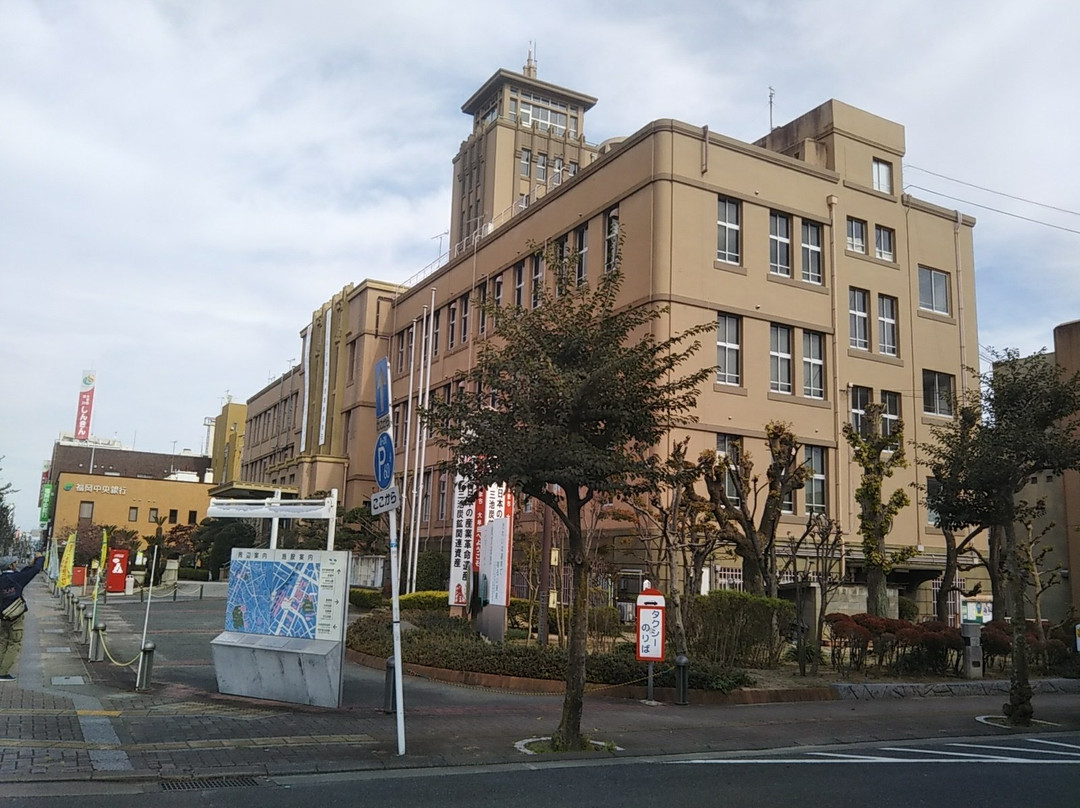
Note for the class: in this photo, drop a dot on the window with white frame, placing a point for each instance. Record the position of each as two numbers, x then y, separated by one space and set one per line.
611 239
498 291
451 323
526 162
811 252
519 284
482 293
727 230
933 290
581 247
537 278
556 170
937 393
780 359
890 413
887 336
856 235
435 332
816 472
780 244
730 446
882 176
464 319
883 243
860 399
442 496
859 318
728 349
425 502
813 364
541 168
401 352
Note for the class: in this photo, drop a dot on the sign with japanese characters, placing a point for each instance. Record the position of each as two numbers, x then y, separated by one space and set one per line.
650 626
86 406
461 552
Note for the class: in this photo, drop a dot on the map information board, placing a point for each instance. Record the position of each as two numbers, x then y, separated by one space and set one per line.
288 593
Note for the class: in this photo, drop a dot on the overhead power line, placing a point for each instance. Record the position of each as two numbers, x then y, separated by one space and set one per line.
995 210
992 191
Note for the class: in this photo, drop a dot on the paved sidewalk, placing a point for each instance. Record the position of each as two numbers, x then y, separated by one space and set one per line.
69 719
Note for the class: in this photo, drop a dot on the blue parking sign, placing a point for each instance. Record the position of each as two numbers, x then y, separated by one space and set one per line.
384 460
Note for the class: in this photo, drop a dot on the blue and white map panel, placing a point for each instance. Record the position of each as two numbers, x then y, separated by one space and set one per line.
288 593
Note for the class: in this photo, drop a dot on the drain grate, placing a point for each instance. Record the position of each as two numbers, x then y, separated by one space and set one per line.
208 782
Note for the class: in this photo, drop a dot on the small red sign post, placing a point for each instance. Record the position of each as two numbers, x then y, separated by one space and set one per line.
116 570
650 626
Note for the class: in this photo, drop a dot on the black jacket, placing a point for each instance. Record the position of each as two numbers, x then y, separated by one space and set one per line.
13 581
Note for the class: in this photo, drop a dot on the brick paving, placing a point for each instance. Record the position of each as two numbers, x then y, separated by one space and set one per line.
52 728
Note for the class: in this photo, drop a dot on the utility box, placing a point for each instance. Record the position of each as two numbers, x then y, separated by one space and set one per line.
973 655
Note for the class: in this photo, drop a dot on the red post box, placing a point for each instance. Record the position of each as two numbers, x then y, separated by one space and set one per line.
116 570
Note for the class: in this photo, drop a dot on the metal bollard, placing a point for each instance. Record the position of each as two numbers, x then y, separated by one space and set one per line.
69 609
80 616
200 591
84 627
389 704
97 644
682 680
146 667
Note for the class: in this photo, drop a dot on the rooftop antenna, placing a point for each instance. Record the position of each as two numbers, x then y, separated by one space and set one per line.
530 63
772 92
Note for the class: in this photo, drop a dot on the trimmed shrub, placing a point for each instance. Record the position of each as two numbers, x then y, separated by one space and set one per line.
432 571
730 628
426 601
366 598
908 609
193 574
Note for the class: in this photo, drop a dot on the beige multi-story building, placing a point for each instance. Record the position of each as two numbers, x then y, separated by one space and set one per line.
830 288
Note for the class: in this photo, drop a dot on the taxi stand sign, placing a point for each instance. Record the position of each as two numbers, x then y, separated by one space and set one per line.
650 625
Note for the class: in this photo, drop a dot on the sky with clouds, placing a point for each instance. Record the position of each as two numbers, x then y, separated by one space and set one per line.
182 183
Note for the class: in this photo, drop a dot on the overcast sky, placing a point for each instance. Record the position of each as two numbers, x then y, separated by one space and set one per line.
182 183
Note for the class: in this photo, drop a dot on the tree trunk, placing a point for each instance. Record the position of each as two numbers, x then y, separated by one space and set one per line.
877 593
1018 709
1036 586
1000 606
677 600
948 578
568 735
753 581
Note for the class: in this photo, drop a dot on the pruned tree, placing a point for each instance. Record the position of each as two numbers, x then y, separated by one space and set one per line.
749 514
1023 420
570 393
878 455
821 546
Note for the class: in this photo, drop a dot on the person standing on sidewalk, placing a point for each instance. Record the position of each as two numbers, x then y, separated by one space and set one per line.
12 582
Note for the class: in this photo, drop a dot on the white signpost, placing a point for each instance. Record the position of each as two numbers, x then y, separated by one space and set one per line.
383 462
650 629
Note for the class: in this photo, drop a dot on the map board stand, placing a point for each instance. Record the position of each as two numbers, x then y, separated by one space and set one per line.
286 613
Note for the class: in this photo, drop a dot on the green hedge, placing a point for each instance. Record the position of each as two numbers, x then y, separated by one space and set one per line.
426 601
366 598
450 642
732 628
192 574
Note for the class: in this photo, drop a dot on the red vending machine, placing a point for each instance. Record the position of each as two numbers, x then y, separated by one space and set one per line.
116 571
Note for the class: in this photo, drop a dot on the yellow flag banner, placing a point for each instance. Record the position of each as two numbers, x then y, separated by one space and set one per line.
67 564
101 566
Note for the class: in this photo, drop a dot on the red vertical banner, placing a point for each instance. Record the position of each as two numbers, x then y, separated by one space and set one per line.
116 568
86 406
479 520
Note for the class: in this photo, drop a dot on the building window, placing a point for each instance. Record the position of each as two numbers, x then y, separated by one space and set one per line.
425 501
860 399
730 446
435 333
152 515
890 413
571 171
811 252
464 318
86 510
856 235
882 176
526 160
883 243
482 292
933 487
859 318
581 246
727 350
727 230
173 516
498 291
401 352
780 359
780 244
887 325
937 393
451 323
442 496
537 278
611 239
933 290
541 168
815 479
193 517
813 364
519 284
556 170
133 514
